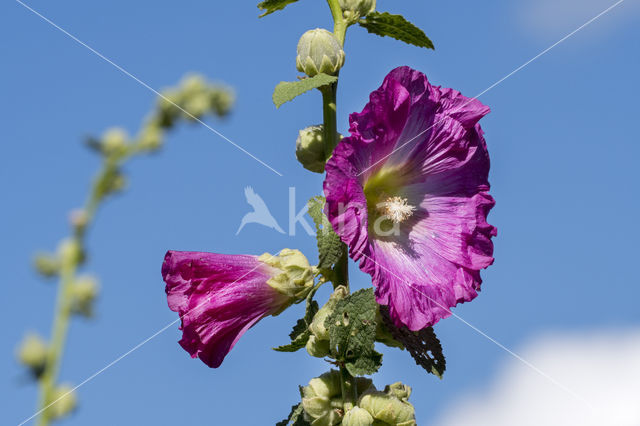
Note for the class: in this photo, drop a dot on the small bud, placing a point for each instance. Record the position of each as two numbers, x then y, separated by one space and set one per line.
310 148
167 109
399 390
114 142
46 264
357 417
296 278
222 99
317 326
63 400
387 408
78 218
319 51
193 84
353 10
316 347
151 137
321 399
32 353
83 294
69 252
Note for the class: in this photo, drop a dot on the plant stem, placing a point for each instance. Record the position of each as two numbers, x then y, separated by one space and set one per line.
349 389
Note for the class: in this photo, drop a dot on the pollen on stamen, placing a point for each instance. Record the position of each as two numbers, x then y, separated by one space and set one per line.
397 209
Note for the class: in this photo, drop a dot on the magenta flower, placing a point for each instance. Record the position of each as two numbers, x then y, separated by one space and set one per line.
219 297
408 193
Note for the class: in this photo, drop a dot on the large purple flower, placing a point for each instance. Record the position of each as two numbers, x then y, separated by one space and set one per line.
408 193
219 297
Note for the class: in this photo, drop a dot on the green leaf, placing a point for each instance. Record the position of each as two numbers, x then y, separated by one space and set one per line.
352 333
423 345
395 26
270 6
329 244
288 90
296 417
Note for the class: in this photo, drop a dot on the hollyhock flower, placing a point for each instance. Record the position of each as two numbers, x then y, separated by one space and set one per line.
408 193
219 297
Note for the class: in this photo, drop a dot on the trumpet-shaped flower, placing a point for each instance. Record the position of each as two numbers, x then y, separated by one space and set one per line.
219 297
408 193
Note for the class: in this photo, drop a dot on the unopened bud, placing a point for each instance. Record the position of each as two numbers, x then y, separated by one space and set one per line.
32 353
356 9
310 148
46 264
222 100
78 218
316 347
114 142
63 400
357 417
83 295
317 326
399 390
319 51
151 137
321 399
387 408
69 252
296 275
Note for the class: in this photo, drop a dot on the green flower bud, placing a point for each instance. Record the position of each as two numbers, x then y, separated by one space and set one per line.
151 137
317 348
83 294
310 148
317 326
64 401
222 99
197 105
32 353
388 409
353 10
78 218
399 390
319 51
357 417
297 275
114 142
69 252
193 84
321 399
46 264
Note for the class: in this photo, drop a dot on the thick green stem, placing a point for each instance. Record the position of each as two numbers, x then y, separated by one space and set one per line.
349 388
330 122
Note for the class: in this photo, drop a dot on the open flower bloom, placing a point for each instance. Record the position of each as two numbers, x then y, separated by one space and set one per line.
408 193
219 297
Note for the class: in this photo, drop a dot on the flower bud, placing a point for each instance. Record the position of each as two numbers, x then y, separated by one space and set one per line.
353 10
399 390
320 399
46 264
387 408
317 348
296 278
32 353
114 142
63 400
317 326
357 417
78 218
319 51
310 148
222 100
83 294
151 137
69 252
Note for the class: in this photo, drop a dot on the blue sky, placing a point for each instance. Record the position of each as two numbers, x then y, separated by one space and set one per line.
562 137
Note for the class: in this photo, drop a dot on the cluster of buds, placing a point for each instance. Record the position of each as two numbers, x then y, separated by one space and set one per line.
195 96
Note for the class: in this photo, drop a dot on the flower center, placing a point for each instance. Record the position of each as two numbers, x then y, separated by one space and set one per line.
397 209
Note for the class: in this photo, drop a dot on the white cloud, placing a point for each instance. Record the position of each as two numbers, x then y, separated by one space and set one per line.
552 19
602 367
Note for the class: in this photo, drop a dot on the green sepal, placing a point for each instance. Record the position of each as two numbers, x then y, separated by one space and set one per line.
300 333
329 244
352 333
288 90
395 26
270 6
295 418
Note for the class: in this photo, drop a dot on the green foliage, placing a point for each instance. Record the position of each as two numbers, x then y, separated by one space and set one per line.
352 331
300 333
329 244
270 6
288 90
295 418
395 26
